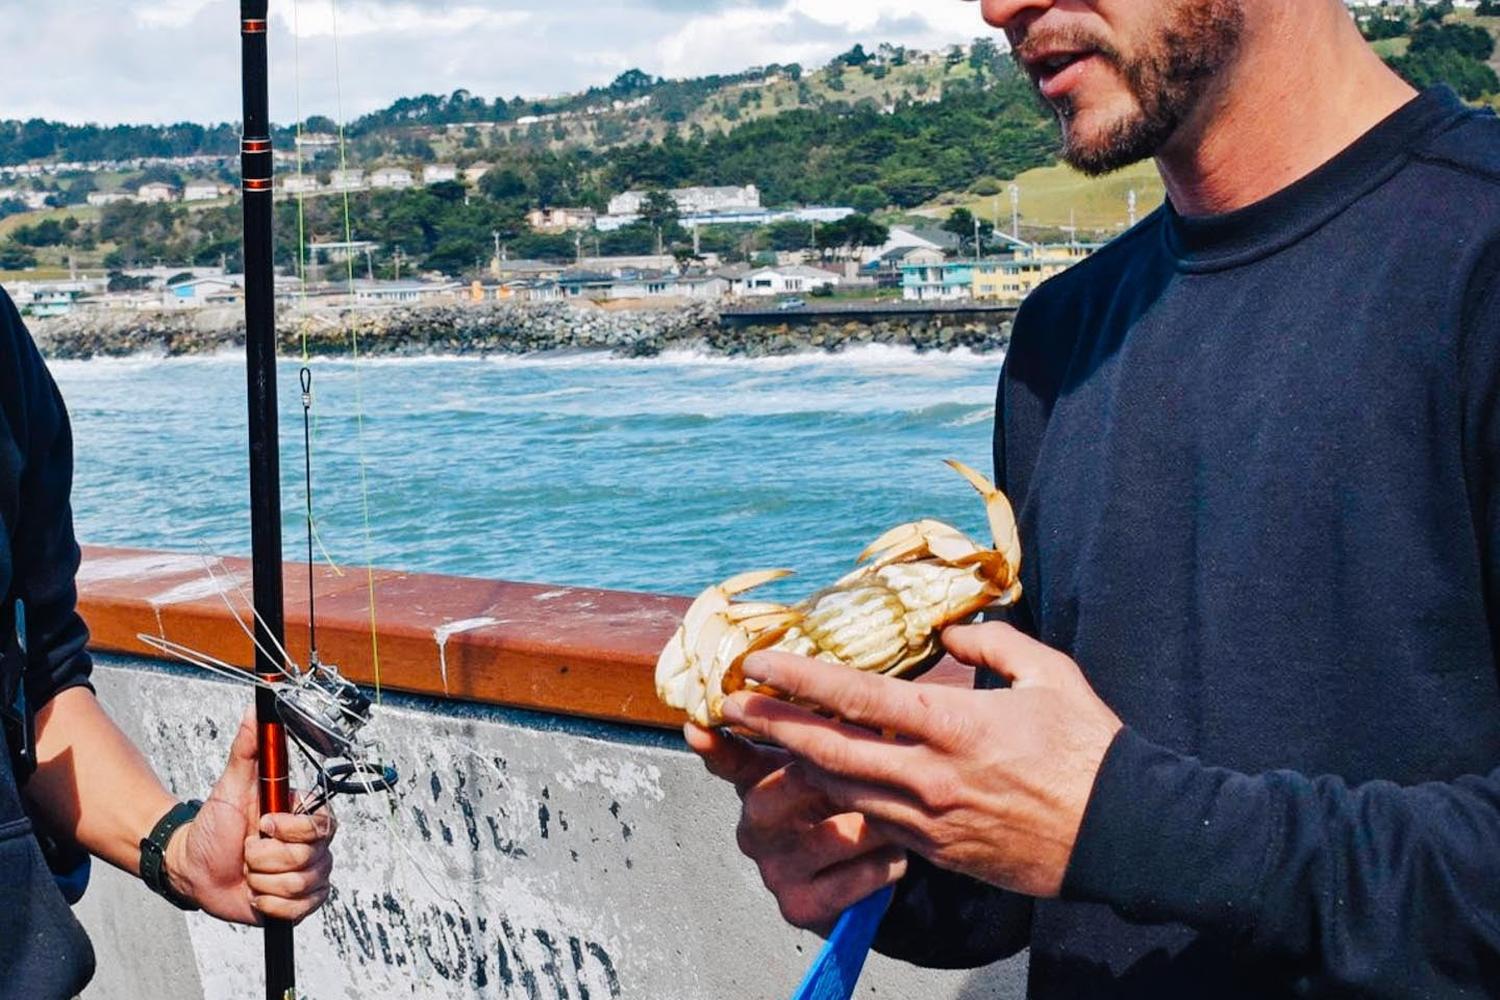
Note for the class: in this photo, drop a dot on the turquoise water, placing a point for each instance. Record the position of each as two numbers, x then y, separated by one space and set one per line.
659 475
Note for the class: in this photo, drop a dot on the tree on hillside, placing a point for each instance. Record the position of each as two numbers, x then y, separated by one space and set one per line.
963 224
867 198
660 210
14 257
1467 40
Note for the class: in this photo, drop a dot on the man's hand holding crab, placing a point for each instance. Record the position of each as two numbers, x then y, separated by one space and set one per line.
992 784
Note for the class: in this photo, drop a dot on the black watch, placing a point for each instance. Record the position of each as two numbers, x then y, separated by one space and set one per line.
154 852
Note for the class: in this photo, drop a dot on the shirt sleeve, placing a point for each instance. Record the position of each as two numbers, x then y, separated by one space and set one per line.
942 920
45 553
1374 889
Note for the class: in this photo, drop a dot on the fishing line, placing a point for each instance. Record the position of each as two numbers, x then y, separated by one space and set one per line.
353 331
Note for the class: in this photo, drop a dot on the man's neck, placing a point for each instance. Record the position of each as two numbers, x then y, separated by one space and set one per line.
1306 88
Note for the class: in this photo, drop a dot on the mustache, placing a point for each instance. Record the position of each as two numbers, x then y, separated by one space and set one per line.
1028 44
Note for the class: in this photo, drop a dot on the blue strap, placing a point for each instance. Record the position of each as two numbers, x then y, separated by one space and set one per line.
835 972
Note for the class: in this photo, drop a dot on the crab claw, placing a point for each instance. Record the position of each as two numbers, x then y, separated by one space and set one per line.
701 665
1001 515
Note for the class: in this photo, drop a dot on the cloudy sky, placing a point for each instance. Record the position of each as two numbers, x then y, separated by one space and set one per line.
171 60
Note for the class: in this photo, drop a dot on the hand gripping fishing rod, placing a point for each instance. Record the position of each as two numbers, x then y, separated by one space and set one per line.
265 471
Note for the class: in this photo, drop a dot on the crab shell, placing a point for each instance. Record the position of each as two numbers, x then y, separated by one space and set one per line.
884 617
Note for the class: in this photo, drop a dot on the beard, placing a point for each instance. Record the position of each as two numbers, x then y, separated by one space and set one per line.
1168 80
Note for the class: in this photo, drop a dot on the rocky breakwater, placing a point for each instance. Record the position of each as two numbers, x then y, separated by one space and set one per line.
462 328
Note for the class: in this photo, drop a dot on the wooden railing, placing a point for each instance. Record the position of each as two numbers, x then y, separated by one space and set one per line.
565 650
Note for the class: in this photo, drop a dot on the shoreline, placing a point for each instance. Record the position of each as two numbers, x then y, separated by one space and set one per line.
512 329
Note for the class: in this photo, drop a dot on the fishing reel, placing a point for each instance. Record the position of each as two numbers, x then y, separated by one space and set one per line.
324 714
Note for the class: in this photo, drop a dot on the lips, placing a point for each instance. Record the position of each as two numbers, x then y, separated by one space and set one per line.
1056 72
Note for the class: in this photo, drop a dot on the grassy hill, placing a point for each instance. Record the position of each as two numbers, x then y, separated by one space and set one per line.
1058 196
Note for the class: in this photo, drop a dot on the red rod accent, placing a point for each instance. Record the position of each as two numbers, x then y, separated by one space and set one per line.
275 785
256 145
253 27
257 183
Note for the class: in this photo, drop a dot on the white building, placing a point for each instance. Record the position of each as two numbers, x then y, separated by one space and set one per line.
204 191
98 199
199 292
560 220
155 194
474 173
692 200
795 280
346 180
439 173
300 184
403 292
392 179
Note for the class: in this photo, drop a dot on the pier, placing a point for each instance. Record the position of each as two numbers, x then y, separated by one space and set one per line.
552 837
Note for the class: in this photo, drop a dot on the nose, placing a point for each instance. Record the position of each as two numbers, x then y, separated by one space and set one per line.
1008 14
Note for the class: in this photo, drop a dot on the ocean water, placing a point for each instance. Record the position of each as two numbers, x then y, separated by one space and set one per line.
661 475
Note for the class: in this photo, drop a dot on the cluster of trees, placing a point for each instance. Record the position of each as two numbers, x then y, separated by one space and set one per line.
1455 54
22 142
855 155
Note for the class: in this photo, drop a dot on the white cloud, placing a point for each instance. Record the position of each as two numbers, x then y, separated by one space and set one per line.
175 60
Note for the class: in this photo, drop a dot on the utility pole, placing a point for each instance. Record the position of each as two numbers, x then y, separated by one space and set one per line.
1015 211
1131 202
976 239
495 267
398 256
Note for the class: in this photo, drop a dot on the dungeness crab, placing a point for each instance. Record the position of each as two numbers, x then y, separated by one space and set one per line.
885 617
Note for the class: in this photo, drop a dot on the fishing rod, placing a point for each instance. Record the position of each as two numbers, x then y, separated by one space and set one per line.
265 471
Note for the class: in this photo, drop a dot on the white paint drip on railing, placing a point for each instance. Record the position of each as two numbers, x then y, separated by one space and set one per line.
445 632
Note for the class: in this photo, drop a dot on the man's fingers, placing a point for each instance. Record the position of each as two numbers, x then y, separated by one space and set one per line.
842 838
293 911
836 889
288 828
1004 650
272 857
240 773
832 746
735 760
292 885
885 806
868 700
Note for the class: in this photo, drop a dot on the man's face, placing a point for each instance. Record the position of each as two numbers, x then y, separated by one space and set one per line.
1122 75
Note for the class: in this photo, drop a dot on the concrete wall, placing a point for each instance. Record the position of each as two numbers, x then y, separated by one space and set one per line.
525 855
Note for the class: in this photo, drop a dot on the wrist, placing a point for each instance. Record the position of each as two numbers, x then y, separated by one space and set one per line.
178 873
165 866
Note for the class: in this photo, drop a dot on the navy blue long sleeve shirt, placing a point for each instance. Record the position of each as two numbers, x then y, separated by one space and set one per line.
44 953
1257 462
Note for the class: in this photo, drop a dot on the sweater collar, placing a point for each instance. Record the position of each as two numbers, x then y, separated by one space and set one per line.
1213 242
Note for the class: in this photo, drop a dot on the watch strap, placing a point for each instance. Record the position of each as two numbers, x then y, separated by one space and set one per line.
154 852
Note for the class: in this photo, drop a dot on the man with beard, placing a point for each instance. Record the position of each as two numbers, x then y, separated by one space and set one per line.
1248 741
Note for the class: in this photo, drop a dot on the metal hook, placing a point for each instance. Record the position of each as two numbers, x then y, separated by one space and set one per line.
307 388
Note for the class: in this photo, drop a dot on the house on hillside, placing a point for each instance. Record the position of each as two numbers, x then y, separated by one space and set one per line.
204 191
155 194
439 173
692 200
561 220
392 179
346 180
299 183
98 199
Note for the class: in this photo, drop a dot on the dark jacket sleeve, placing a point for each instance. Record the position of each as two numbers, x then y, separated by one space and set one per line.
943 920
1374 889
44 552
